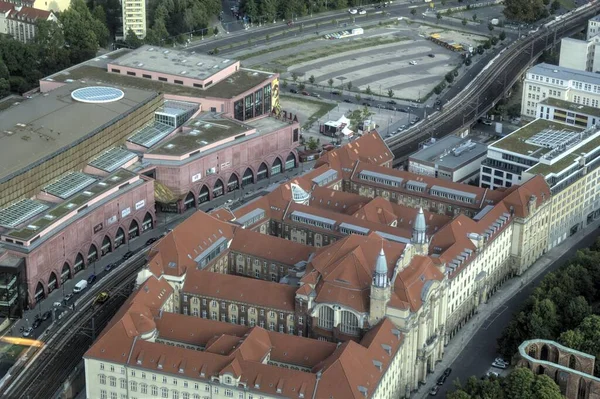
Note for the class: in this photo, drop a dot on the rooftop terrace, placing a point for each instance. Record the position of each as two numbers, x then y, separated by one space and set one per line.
516 141
204 131
569 106
38 224
48 124
234 85
174 62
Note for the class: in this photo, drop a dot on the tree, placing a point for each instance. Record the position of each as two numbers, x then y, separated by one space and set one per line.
312 79
443 2
284 84
468 61
390 93
368 90
491 26
294 77
357 97
438 16
267 37
251 10
502 36
330 83
349 85
78 28
494 40
524 11
215 30
464 22
216 51
312 144
585 338
555 5
487 45
302 86
131 40
474 17
413 12
449 77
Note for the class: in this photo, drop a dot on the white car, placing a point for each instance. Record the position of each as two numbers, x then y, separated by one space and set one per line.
353 11
57 304
362 12
499 365
492 374
27 332
413 63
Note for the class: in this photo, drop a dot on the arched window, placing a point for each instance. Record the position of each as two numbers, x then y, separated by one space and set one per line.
349 323
143 388
326 317
133 386
203 196
102 379
154 389
164 392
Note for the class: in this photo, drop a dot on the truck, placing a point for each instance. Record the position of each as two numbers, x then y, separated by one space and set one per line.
80 286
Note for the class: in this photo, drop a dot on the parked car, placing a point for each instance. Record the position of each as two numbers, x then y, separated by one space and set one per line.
434 391
110 266
366 104
68 297
431 55
315 95
441 380
403 127
447 372
362 11
492 374
127 255
294 91
413 62
305 93
499 365
27 332
80 286
57 304
36 323
438 102
336 93
487 122
392 102
347 101
46 315
353 11
91 279
151 241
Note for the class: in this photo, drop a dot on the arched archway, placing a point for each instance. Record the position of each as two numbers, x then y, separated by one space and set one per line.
540 370
582 390
532 351
119 238
276 168
134 229
52 282
218 188
106 246
189 201
248 177
263 172
147 223
203 196
572 362
92 255
290 161
544 353
233 183
65 273
39 292
79 264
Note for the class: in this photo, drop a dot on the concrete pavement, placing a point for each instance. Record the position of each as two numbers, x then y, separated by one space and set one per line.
476 355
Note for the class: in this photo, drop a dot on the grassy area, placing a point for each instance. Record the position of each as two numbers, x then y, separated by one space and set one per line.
324 108
338 49
567 4
277 48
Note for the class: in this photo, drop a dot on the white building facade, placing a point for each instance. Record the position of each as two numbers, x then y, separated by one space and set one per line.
134 17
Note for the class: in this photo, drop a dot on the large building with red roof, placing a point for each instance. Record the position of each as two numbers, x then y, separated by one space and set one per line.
314 258
19 20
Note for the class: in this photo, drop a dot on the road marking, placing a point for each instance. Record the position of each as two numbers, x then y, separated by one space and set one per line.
496 313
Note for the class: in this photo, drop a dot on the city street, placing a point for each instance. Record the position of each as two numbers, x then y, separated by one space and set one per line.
473 349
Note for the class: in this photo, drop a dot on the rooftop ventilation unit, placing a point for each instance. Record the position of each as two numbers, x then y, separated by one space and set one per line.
166 52
183 72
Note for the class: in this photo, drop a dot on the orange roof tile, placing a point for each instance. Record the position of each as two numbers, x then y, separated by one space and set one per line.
270 247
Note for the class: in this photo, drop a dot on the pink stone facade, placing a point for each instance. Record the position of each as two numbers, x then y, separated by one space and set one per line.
230 163
99 230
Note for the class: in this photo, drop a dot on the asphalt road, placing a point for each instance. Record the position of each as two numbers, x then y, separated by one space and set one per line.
237 34
479 353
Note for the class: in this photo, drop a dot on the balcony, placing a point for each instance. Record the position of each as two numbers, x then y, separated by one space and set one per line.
428 346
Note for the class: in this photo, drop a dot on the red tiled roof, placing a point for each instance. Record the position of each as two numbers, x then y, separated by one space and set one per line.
270 247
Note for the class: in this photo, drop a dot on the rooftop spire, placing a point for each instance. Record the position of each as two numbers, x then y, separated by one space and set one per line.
380 278
419 228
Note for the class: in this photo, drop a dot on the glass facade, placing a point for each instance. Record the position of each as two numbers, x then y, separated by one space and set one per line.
248 108
258 102
238 110
267 98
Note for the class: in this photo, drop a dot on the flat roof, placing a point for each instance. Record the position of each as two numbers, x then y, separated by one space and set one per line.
150 134
47 218
515 142
204 131
451 152
174 62
234 85
112 159
46 125
69 184
574 107
559 72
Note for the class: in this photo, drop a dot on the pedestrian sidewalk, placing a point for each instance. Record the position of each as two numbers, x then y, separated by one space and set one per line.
508 290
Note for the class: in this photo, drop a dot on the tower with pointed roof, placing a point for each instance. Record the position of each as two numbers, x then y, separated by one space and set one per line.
380 290
419 233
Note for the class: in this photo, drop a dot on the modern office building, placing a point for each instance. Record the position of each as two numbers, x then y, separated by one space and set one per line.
593 27
18 20
544 81
451 158
568 113
579 54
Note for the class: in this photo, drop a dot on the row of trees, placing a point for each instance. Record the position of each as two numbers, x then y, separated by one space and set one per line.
529 10
565 307
172 18
519 384
269 10
74 39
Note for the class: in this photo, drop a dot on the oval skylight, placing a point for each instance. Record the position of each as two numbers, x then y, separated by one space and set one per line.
97 95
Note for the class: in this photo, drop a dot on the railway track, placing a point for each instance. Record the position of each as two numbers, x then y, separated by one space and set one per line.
43 376
490 85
